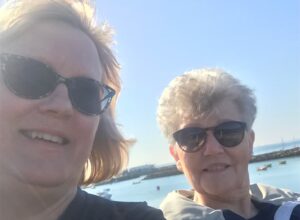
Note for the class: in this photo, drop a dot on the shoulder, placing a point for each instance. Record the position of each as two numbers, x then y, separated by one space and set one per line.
87 206
269 211
296 213
179 205
137 210
266 211
266 193
288 210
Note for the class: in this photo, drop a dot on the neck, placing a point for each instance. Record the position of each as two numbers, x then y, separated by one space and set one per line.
238 201
20 200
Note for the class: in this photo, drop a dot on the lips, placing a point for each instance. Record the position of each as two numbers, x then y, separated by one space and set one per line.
44 136
218 167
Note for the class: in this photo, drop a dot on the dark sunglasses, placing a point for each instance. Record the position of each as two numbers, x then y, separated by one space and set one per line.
31 79
228 134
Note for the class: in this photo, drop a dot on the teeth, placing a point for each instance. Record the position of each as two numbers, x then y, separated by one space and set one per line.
216 168
45 136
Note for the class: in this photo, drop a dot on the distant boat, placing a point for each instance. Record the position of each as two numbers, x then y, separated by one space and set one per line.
262 168
91 186
269 165
282 162
105 194
139 180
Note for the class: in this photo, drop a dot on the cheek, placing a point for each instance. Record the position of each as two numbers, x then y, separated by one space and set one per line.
85 134
13 110
13 106
192 169
240 158
86 131
242 154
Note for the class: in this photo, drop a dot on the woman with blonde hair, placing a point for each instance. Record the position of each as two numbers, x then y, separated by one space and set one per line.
58 88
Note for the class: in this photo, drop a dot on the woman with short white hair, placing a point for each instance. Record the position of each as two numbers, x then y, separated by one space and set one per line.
207 116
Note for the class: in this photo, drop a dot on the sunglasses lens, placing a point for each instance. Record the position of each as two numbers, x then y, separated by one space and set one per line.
190 139
85 95
88 96
230 134
28 78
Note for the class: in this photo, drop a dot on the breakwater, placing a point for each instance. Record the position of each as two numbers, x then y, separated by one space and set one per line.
171 170
276 155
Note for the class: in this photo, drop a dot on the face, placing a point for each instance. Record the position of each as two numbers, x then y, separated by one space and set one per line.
214 170
39 161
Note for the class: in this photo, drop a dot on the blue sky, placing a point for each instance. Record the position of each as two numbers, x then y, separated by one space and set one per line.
257 41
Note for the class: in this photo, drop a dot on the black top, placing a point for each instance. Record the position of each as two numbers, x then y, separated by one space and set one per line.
86 206
266 212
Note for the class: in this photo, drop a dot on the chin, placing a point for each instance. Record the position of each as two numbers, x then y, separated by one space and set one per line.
217 188
46 177
225 189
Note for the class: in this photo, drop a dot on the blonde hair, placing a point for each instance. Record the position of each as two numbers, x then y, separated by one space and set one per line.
110 150
195 94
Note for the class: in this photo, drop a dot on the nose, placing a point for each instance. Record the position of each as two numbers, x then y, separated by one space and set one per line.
212 146
57 103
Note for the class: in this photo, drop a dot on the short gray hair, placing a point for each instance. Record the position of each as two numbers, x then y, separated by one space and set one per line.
196 93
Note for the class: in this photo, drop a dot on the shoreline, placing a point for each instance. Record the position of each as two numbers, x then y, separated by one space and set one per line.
172 170
293 152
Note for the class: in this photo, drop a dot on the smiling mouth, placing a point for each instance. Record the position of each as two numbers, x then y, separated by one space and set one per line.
37 135
216 168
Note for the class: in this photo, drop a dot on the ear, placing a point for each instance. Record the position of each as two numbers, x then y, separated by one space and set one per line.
173 152
251 142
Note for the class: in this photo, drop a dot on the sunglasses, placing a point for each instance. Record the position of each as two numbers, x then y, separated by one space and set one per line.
31 79
228 134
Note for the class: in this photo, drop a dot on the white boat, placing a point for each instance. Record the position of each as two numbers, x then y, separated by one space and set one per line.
262 168
105 194
139 179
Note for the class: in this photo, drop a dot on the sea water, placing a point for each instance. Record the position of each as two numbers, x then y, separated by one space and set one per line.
280 175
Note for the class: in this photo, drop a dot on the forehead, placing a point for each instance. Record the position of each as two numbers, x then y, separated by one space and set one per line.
59 45
225 110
